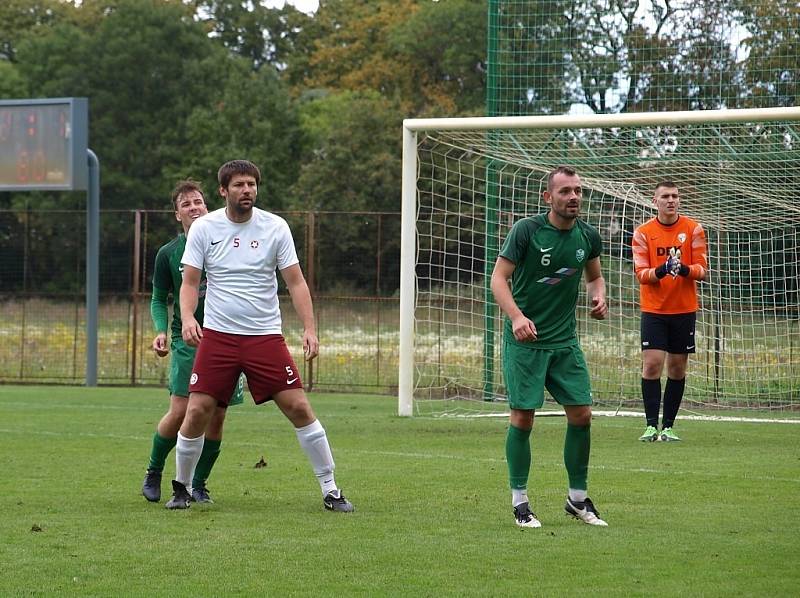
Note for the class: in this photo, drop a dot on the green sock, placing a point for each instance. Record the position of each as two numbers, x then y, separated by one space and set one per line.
518 456
576 455
207 459
161 448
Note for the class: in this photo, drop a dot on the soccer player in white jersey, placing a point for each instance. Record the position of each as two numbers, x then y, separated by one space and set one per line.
241 247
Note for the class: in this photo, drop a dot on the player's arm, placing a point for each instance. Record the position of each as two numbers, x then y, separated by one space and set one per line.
524 329
301 300
596 289
698 269
646 273
191 330
160 317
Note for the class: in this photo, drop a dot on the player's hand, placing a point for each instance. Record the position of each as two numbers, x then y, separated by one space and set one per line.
160 345
310 345
524 329
680 269
191 332
674 262
670 266
599 308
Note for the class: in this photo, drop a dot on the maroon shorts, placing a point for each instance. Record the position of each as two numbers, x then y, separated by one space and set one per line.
264 359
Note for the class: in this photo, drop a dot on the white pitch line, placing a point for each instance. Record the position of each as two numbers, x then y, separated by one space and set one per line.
428 456
708 418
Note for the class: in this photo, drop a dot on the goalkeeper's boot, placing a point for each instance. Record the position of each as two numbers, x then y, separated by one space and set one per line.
200 493
335 501
524 517
667 435
585 511
650 434
180 496
151 488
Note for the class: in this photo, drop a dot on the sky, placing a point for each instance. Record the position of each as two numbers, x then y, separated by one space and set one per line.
307 6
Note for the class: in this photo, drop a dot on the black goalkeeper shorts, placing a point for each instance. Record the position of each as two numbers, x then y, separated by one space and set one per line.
673 333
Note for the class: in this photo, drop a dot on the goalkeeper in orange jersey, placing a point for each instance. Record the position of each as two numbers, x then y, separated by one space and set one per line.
669 256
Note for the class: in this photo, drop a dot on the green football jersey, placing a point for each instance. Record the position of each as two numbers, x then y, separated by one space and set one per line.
549 267
168 276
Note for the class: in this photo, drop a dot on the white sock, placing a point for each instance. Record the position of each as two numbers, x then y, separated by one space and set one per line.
519 496
187 454
577 495
315 443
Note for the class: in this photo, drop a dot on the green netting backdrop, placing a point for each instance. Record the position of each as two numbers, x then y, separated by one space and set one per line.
560 56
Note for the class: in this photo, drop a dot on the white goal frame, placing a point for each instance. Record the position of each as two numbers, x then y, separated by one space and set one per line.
409 242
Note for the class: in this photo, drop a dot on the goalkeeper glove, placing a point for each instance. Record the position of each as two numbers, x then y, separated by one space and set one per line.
671 266
678 269
675 259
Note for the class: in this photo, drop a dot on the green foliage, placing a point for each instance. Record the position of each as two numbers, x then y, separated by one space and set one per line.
75 524
353 163
12 84
21 19
262 35
447 71
250 116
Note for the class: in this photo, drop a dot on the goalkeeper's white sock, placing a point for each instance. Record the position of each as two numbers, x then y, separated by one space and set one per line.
519 496
315 443
187 454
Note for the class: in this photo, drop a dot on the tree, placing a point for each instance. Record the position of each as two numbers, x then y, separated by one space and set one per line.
250 117
352 164
444 46
423 56
770 69
20 19
142 70
262 35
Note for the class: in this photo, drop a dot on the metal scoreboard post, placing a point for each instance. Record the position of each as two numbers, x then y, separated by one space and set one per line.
43 144
44 147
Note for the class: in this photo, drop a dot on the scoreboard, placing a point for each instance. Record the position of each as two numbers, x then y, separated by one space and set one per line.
43 144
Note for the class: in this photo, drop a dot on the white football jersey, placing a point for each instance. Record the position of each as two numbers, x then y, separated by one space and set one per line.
240 260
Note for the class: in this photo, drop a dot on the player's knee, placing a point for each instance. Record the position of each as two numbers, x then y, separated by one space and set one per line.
296 407
651 371
200 409
580 417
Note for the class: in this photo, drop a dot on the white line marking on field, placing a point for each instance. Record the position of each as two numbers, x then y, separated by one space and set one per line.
705 418
420 456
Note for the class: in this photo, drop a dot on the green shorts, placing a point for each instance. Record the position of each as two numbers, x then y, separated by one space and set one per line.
180 370
562 372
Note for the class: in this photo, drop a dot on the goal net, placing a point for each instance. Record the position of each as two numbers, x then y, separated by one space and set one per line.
466 181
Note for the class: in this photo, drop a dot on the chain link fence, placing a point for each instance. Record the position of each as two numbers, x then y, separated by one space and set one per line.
351 262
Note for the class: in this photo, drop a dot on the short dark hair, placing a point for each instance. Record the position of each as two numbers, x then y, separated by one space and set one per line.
185 186
229 169
568 170
667 183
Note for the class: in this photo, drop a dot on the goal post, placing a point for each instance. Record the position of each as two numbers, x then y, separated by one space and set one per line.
739 175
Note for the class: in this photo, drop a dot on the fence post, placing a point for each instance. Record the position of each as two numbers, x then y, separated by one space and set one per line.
311 272
137 261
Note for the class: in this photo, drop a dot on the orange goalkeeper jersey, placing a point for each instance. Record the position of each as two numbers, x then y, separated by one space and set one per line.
651 244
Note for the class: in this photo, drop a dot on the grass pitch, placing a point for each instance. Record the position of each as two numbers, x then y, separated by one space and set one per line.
713 515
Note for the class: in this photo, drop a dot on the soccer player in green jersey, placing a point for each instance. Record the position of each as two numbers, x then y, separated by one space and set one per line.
544 256
189 203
